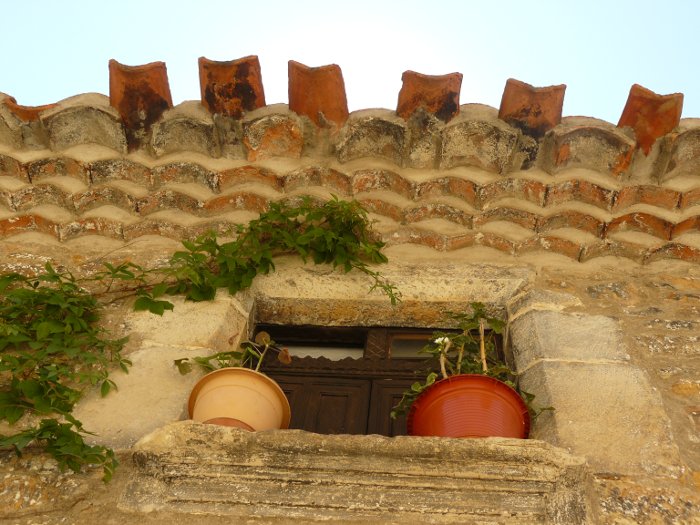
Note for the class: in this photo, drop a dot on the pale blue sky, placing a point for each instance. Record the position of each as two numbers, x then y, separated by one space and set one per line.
50 50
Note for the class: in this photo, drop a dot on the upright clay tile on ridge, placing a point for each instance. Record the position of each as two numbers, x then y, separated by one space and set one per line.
318 93
233 87
650 115
141 94
437 94
530 109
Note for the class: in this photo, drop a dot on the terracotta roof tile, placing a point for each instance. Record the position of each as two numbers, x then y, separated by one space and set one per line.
533 110
231 88
436 94
318 93
141 94
650 115
527 182
25 113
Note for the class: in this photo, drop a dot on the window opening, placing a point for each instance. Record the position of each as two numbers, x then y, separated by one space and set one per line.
345 380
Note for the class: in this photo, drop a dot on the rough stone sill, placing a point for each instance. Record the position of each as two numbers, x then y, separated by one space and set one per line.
295 475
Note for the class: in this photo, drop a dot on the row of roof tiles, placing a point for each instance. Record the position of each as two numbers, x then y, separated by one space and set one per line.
476 137
122 180
546 238
142 93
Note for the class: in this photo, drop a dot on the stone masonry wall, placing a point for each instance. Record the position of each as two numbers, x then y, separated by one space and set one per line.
584 233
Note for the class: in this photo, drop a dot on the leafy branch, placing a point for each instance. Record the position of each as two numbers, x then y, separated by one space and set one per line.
52 347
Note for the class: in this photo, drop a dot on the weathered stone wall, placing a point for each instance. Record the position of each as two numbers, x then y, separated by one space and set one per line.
585 235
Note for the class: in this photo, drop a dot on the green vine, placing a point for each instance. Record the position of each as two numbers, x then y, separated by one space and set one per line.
51 344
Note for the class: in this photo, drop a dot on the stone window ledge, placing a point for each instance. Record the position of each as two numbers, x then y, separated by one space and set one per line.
282 476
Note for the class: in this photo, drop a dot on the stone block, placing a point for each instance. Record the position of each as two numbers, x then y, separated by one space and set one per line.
186 127
606 412
272 132
542 335
151 395
10 126
541 300
208 324
372 133
295 476
684 153
423 140
85 119
582 142
486 144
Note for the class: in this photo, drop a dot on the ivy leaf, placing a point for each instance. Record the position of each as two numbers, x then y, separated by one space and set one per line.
152 305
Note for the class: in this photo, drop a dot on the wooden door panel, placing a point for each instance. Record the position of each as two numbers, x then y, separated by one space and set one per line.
385 394
327 405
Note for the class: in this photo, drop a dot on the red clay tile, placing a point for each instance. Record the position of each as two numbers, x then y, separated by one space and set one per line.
240 200
552 244
169 198
331 179
438 210
643 222
245 174
571 219
97 196
650 115
463 189
690 198
29 222
377 179
591 193
674 250
529 190
318 93
437 94
42 193
184 172
520 217
233 87
430 239
141 94
690 224
57 166
92 226
614 248
119 169
457 242
11 167
492 240
25 113
532 110
647 194
384 208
